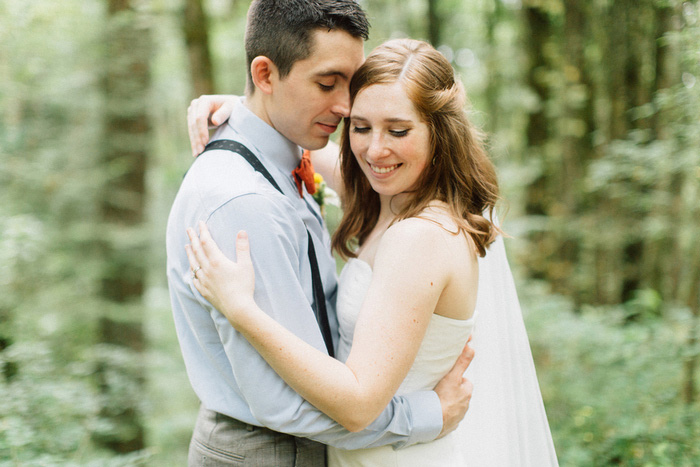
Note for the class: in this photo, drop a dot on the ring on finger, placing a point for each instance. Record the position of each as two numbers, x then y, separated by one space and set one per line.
194 272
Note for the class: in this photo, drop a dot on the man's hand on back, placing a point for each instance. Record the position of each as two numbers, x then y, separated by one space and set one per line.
455 392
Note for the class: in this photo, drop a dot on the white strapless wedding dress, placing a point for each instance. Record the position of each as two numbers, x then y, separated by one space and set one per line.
442 344
506 425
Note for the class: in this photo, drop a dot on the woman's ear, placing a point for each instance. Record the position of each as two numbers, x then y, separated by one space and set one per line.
264 73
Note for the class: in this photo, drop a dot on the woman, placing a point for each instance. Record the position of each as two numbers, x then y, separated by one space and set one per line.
416 184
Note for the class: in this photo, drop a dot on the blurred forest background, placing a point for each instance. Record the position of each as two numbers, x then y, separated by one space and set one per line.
593 112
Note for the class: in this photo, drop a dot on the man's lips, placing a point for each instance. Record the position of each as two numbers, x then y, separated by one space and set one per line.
329 128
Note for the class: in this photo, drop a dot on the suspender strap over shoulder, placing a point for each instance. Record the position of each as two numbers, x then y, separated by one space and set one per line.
243 151
319 304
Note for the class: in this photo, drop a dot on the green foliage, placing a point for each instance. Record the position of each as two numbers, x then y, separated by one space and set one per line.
612 388
50 411
616 176
49 181
611 376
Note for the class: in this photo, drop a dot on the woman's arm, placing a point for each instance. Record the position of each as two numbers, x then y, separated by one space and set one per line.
406 285
326 161
213 110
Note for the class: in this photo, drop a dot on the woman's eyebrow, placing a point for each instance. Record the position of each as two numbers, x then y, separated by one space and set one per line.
388 120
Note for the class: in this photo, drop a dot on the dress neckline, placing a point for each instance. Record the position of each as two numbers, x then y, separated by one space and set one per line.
361 261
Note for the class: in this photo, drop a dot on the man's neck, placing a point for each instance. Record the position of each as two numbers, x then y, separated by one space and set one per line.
255 104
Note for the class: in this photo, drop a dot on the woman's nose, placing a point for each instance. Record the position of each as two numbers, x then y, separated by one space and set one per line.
377 148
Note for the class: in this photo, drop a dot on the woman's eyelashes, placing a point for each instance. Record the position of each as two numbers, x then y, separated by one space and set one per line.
326 87
366 129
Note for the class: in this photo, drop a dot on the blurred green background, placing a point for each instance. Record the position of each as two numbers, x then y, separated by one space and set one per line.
593 113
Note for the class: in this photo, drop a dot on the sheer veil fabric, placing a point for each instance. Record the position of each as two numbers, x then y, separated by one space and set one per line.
506 424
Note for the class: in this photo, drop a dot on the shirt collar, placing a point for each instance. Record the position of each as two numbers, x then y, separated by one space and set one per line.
271 144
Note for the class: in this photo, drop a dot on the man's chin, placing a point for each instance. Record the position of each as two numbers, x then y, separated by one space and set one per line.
313 144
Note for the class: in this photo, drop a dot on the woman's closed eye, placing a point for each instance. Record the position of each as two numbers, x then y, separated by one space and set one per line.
326 87
360 129
366 129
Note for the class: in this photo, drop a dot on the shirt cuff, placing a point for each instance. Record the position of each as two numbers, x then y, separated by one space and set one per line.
426 413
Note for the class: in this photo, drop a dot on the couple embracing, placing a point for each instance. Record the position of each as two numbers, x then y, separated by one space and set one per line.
294 367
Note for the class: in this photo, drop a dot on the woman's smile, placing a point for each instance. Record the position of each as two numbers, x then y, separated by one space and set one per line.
389 139
383 170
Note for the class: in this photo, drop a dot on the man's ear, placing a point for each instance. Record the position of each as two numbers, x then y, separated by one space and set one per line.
264 73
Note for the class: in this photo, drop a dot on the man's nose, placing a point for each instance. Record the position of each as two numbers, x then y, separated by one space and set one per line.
341 106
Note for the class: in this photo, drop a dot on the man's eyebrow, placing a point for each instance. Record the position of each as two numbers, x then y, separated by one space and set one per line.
332 73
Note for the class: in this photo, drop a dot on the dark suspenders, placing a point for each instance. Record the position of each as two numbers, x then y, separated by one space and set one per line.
319 297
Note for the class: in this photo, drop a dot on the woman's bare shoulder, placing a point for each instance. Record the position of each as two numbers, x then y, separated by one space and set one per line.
433 231
435 219
416 235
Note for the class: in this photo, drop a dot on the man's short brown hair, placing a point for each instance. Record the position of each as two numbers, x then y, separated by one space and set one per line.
281 29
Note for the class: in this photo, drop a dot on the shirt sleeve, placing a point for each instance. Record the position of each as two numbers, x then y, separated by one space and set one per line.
277 242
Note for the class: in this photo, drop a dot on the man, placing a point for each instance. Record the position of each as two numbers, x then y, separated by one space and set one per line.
301 55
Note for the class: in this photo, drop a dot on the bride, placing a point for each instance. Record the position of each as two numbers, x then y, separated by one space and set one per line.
426 269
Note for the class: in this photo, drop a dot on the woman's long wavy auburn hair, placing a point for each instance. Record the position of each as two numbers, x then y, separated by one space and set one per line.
460 173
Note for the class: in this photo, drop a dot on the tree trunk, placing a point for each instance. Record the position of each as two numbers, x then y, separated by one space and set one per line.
657 267
537 35
126 142
9 368
196 29
495 82
693 342
434 23
538 32
576 144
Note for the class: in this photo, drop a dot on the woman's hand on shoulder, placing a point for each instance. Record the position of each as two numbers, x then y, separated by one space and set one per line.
204 112
229 286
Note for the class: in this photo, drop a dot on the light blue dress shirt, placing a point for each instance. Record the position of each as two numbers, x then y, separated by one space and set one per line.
226 372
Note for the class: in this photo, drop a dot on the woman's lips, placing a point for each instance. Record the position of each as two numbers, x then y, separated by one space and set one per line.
383 170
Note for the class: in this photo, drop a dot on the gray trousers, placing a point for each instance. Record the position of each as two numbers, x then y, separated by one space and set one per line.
219 441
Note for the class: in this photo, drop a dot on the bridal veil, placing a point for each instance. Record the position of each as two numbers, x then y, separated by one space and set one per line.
506 424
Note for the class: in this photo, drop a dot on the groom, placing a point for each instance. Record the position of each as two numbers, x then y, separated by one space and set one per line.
301 55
